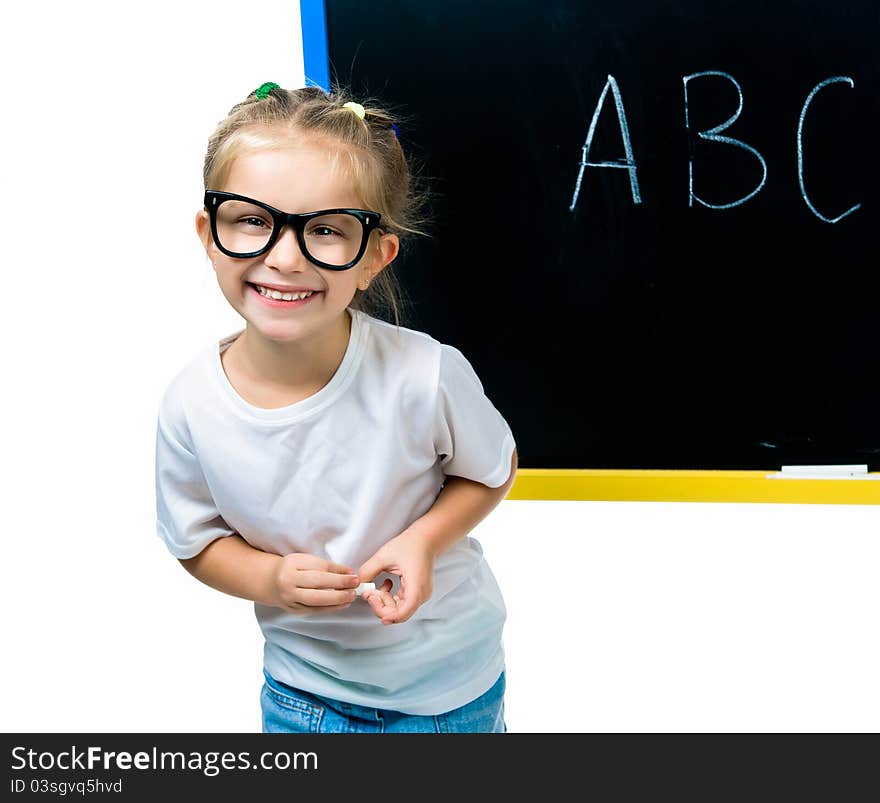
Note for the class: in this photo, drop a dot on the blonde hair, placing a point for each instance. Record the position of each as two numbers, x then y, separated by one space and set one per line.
368 149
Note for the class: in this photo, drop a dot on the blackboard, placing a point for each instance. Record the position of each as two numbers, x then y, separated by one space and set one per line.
699 308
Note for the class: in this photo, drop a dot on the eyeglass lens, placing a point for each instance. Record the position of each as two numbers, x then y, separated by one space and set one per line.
244 228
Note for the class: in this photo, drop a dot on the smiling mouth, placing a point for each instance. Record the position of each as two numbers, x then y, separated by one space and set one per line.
276 295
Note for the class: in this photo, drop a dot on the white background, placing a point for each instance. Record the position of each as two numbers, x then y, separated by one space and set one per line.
622 616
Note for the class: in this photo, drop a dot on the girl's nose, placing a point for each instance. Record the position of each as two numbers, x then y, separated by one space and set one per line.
286 254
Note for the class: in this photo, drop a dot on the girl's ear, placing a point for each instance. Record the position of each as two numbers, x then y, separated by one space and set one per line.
203 229
386 250
389 245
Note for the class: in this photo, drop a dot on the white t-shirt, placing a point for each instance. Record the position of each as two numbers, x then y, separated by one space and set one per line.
337 475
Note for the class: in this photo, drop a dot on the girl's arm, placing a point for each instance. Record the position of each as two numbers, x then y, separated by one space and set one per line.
297 582
233 566
460 506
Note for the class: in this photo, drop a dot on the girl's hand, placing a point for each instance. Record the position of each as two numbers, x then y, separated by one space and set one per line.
308 584
407 556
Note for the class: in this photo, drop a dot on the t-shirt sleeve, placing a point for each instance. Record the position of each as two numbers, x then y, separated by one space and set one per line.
471 437
187 519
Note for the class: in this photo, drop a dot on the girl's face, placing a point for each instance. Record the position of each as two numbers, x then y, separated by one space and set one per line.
295 179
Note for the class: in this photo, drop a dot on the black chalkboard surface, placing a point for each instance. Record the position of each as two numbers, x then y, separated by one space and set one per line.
687 299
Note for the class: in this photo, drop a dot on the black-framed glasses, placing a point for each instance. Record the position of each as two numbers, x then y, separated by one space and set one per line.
329 238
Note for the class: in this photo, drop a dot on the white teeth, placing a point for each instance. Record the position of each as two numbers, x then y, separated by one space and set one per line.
282 296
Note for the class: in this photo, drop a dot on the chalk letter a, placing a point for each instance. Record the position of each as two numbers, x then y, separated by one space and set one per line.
629 163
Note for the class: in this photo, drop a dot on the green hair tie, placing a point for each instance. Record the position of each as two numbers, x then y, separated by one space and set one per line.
262 91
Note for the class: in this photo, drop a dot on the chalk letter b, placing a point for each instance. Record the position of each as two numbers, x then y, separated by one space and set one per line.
712 135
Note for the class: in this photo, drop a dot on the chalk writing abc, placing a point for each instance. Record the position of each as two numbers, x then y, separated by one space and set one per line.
628 163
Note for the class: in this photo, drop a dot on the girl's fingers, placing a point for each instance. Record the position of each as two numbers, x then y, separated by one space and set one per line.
318 579
315 597
404 609
306 562
380 595
337 568
382 603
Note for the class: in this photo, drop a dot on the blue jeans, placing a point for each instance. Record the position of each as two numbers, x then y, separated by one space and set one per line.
289 710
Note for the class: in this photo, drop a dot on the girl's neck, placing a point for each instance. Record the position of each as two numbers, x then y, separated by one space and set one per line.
309 364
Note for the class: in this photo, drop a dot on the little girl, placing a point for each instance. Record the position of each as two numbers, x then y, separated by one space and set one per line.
320 448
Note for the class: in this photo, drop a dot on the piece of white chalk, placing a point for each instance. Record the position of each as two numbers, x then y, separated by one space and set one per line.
365 587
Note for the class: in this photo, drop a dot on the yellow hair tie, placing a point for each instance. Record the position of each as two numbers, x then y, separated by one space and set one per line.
355 107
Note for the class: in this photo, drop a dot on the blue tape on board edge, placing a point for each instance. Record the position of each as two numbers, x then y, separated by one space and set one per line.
316 62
